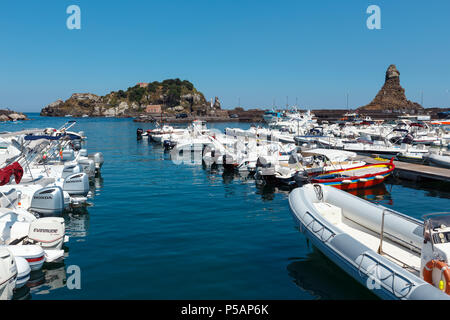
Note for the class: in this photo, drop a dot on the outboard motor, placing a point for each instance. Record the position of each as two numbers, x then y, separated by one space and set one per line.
76 145
408 139
70 169
68 155
48 201
139 133
47 232
83 153
98 160
169 145
88 166
8 274
76 184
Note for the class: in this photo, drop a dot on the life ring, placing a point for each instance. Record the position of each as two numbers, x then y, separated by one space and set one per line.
441 265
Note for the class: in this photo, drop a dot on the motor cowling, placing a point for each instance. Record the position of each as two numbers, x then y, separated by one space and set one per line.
88 166
67 155
77 184
8 274
83 153
48 201
98 159
70 169
47 232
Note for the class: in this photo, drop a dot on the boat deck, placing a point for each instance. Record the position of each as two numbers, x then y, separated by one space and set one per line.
403 256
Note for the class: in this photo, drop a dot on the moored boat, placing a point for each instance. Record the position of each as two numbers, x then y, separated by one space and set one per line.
357 178
392 254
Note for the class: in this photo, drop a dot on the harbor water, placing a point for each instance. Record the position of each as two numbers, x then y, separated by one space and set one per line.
160 230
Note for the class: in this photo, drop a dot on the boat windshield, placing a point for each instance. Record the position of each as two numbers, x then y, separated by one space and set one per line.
438 220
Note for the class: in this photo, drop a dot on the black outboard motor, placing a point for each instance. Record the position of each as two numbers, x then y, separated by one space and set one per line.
139 133
408 139
301 178
169 145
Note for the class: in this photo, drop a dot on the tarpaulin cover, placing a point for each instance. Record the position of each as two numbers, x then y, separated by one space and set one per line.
13 169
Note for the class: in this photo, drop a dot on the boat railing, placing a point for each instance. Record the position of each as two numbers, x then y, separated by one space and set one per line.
397 239
319 228
9 200
375 268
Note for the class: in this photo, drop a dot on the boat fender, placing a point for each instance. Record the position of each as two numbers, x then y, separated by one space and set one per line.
428 274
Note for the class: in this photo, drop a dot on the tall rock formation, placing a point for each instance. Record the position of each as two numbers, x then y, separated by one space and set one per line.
391 97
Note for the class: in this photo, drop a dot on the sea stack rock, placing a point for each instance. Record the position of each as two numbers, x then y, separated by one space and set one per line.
391 97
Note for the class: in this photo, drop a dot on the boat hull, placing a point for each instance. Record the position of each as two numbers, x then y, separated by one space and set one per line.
357 181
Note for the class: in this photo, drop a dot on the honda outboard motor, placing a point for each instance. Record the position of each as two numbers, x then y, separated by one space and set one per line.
68 155
8 274
48 201
70 169
76 184
88 166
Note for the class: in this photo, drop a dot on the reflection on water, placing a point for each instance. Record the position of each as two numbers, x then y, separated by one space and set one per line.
378 194
320 277
54 277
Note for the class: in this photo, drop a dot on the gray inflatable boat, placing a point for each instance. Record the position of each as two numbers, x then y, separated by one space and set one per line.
384 250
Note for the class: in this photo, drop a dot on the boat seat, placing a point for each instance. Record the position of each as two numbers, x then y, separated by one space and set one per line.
332 213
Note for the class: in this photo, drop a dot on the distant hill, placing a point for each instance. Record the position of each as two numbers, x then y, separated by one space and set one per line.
170 96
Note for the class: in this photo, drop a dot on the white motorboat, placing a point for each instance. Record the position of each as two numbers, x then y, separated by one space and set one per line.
392 254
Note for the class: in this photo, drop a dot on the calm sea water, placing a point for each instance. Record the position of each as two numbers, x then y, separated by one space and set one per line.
157 230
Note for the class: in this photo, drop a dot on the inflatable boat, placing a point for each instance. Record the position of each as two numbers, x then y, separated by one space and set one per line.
357 178
440 160
392 254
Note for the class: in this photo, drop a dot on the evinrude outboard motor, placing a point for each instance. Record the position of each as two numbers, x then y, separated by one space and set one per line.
8 274
70 169
48 201
47 232
139 133
76 184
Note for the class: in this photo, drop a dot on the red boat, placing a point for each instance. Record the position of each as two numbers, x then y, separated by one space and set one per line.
357 178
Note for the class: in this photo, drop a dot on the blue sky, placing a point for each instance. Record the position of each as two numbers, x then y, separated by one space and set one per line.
257 51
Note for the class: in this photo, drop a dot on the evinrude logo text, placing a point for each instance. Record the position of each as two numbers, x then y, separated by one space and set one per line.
73 181
45 230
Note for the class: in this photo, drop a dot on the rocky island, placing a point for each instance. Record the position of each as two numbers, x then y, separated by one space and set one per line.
9 115
154 99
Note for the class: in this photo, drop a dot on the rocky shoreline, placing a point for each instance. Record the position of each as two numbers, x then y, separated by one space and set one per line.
9 115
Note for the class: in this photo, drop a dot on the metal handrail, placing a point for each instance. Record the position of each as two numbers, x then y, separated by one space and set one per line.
392 274
321 229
